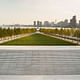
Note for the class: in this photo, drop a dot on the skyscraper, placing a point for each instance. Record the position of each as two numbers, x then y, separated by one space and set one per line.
34 23
79 23
38 23
73 22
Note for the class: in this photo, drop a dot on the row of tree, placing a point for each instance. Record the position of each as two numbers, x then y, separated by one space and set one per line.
72 32
10 32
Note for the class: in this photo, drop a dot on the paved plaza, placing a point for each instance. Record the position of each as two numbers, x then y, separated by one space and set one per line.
39 77
40 61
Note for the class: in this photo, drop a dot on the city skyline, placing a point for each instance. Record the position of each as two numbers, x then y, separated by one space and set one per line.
66 23
27 11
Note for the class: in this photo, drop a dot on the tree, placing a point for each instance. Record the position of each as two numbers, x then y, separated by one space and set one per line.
1 32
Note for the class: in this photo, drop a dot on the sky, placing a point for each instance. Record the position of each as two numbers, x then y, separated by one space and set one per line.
26 11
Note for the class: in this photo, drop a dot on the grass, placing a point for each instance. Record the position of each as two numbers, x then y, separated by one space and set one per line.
38 39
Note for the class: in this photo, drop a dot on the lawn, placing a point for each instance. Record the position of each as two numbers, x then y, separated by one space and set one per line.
38 39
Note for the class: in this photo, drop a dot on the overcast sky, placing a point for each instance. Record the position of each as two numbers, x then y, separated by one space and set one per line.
26 11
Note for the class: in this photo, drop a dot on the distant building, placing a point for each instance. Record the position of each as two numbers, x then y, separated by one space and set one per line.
37 24
40 24
46 24
73 22
63 23
34 23
52 24
79 23
60 24
66 23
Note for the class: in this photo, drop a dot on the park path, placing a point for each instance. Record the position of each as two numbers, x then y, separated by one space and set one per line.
69 40
16 37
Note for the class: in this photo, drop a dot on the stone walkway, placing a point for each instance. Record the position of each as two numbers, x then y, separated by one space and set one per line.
39 60
39 77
